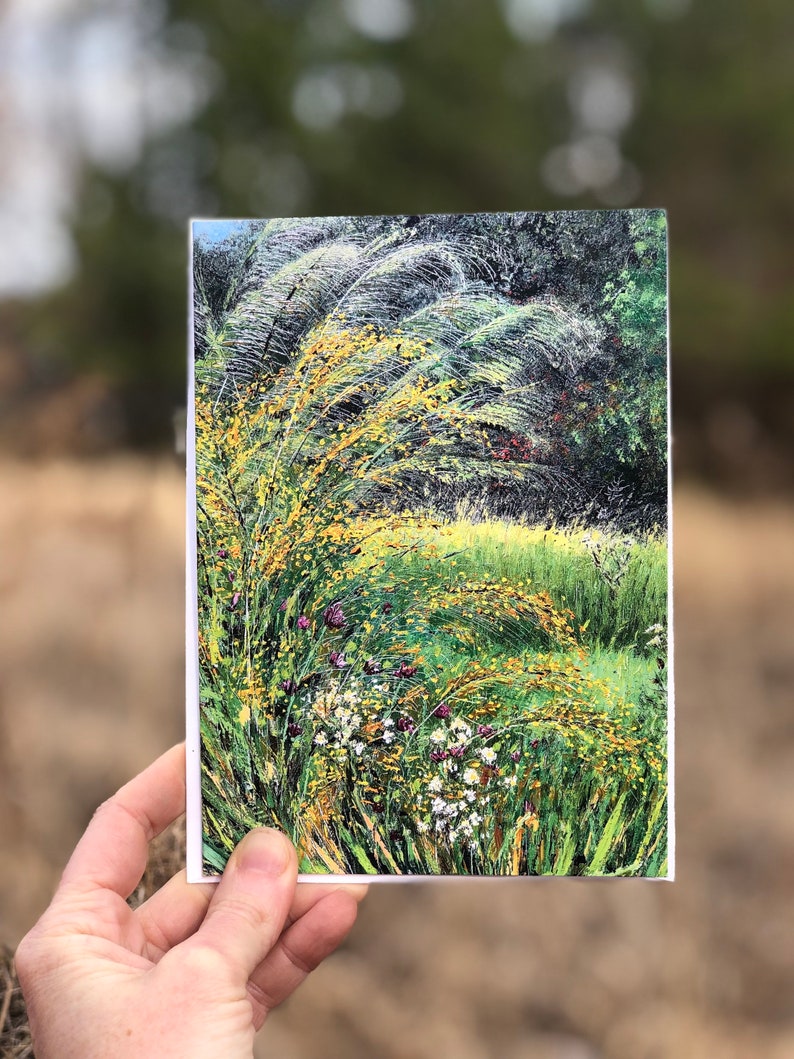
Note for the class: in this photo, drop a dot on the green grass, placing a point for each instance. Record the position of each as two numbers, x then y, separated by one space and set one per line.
615 585
405 694
583 744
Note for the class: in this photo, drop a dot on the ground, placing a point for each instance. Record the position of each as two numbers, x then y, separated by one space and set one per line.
91 656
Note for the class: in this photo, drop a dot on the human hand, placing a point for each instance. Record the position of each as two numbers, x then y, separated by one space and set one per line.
195 970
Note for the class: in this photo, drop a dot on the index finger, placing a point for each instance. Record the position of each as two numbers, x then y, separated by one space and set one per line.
112 853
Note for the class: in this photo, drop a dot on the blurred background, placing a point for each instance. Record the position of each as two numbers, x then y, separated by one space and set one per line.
118 121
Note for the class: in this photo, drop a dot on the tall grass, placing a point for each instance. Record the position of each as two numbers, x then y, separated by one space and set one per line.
400 694
615 584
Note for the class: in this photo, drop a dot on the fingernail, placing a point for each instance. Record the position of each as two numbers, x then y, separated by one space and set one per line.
265 851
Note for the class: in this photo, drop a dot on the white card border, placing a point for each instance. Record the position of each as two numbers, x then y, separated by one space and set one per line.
193 808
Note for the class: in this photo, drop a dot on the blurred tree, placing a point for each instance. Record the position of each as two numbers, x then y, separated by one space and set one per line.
318 107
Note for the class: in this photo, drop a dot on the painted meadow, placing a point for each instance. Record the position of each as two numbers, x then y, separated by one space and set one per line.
431 514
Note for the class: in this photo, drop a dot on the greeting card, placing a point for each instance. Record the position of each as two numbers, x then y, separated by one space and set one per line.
428 553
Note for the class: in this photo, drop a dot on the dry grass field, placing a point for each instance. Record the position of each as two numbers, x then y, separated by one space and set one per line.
91 688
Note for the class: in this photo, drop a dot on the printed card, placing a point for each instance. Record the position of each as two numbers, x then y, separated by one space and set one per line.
428 544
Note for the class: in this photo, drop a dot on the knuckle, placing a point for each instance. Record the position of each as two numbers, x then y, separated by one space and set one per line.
116 806
24 960
262 998
200 962
252 913
304 965
30 960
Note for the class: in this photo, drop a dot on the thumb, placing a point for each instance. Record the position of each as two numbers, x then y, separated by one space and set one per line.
249 908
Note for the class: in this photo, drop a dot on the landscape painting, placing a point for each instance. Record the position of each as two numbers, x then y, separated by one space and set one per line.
431 524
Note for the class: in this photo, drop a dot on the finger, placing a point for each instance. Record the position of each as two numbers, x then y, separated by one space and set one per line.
250 905
173 913
300 949
112 853
308 895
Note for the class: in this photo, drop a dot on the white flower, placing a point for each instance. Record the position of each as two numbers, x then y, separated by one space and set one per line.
438 806
359 749
438 736
422 827
388 723
488 755
510 781
453 835
388 737
470 796
475 819
321 739
435 786
461 729
471 776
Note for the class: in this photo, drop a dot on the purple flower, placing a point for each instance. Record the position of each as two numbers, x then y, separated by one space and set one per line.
387 608
235 600
283 605
334 616
294 730
405 724
303 622
404 670
457 751
442 710
485 730
288 686
535 744
438 755
222 553
337 660
516 755
371 666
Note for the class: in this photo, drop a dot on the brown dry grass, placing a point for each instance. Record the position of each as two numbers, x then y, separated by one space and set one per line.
14 1031
91 663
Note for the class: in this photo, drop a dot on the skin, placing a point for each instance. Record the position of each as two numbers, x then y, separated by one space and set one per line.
193 971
